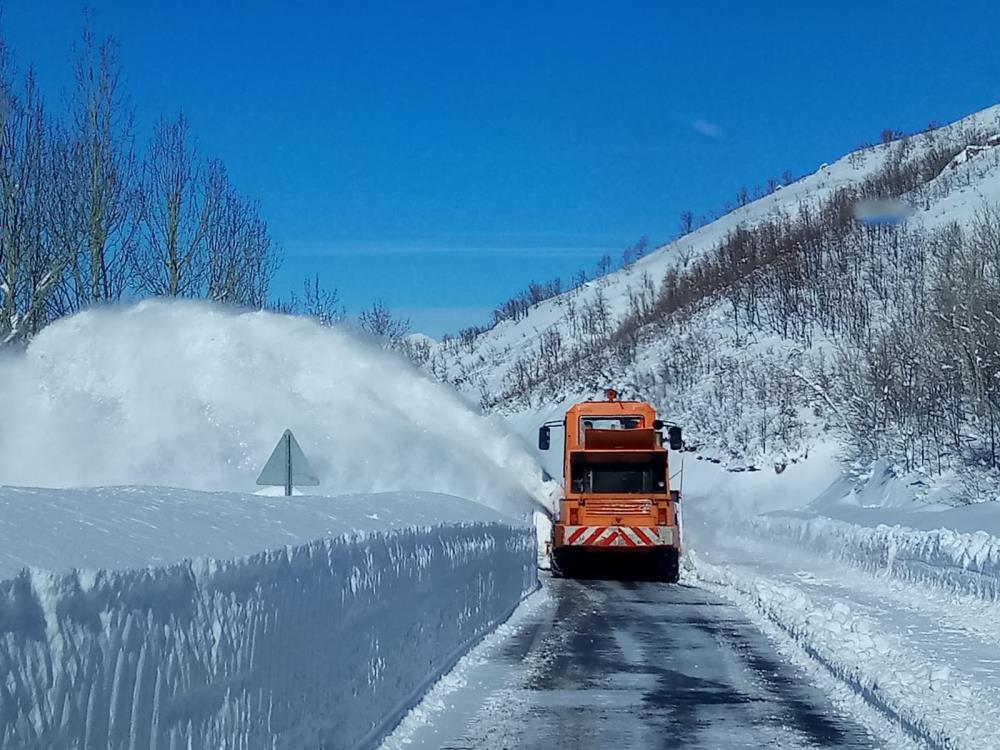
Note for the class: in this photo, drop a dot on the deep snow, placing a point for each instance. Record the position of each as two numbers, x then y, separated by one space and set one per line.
886 595
117 528
888 601
145 615
326 619
167 616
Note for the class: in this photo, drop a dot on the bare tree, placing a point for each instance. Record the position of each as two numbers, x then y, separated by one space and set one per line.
380 322
687 222
103 174
31 266
634 252
80 223
241 257
175 216
604 266
318 302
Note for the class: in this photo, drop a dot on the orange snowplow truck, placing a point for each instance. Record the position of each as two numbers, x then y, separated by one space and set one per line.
618 511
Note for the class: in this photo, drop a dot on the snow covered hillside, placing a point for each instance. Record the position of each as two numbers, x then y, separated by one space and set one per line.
839 385
767 331
161 618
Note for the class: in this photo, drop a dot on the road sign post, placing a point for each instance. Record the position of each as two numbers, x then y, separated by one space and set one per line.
288 466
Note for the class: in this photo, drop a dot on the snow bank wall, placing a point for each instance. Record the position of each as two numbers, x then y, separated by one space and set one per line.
322 644
963 562
876 526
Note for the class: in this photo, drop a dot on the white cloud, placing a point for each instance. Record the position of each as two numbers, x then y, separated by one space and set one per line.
706 128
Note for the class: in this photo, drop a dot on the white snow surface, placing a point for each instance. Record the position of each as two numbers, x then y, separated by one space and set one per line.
323 622
149 600
187 394
116 528
458 694
897 603
888 601
872 581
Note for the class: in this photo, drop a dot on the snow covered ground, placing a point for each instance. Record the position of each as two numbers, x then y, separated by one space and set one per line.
897 602
886 593
323 621
137 614
879 590
888 599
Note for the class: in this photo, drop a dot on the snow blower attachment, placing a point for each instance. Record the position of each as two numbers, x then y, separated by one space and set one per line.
618 516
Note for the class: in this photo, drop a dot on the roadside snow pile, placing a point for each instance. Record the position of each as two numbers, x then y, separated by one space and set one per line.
878 525
327 619
892 599
934 702
188 394
966 563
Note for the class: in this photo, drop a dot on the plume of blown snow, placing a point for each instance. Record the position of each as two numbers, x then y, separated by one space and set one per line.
188 394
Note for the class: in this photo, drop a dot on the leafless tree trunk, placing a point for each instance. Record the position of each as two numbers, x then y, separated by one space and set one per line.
175 216
240 255
317 302
30 267
104 174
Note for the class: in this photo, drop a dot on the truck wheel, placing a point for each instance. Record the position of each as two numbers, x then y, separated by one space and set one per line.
562 567
669 567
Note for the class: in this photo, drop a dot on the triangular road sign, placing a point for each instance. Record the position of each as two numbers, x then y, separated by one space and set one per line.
288 466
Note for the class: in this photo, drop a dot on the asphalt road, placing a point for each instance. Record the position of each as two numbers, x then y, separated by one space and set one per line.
644 665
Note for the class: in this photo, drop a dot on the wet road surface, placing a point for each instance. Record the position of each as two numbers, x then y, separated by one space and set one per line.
645 665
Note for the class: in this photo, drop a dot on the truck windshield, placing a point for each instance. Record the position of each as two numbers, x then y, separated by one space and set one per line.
618 478
610 423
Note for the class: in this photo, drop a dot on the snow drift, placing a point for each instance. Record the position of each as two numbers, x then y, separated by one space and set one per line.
937 705
962 563
193 395
322 640
876 523
895 599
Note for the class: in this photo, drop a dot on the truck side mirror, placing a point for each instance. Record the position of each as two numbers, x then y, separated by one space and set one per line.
544 438
657 424
676 440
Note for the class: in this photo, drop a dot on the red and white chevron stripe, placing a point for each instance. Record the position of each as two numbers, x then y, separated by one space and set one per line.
618 536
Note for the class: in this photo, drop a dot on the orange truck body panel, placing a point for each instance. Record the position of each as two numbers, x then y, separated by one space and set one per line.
617 496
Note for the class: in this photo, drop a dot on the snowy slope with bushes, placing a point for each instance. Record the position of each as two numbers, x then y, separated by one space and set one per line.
772 329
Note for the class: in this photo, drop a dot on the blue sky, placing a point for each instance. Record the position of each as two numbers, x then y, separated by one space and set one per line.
439 155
